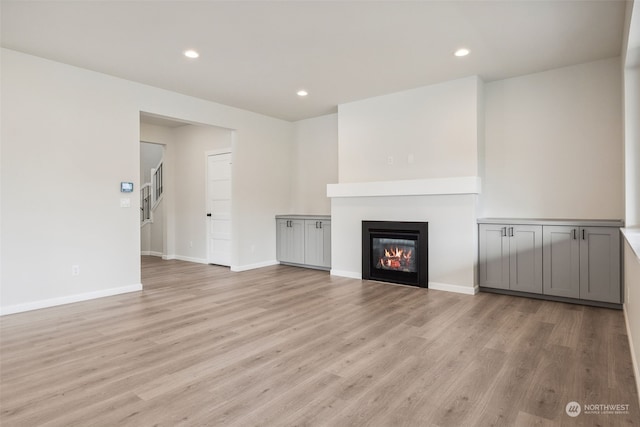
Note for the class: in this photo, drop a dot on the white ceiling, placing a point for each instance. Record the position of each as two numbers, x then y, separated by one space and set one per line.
255 55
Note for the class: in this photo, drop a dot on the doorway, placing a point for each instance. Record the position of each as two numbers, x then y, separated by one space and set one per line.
219 208
151 205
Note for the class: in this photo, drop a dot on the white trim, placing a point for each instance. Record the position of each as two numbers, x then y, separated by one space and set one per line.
634 359
184 258
412 187
344 273
156 203
188 259
217 152
632 236
36 305
238 268
458 289
151 253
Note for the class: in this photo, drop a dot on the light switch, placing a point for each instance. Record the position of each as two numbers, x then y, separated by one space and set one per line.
125 202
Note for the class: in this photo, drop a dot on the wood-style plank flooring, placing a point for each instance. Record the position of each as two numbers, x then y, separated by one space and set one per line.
285 346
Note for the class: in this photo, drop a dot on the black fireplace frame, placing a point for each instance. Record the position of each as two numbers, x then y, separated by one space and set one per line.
398 230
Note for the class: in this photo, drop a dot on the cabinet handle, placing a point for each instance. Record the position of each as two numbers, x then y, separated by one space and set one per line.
583 234
575 235
504 231
510 231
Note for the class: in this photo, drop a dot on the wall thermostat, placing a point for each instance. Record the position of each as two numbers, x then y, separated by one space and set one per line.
126 187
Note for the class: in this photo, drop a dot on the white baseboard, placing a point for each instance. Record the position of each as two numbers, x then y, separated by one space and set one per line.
52 302
185 258
152 253
459 289
238 268
467 290
634 357
344 273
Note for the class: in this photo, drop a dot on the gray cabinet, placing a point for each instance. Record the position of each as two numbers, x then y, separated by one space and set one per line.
511 257
290 240
582 262
317 247
600 264
566 260
304 240
561 259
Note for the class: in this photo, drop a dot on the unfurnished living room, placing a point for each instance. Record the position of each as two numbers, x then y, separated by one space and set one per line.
320 213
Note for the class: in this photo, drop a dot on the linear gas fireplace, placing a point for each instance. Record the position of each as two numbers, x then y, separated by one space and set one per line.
395 252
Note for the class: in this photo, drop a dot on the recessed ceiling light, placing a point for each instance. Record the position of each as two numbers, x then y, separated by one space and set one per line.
462 52
302 92
191 54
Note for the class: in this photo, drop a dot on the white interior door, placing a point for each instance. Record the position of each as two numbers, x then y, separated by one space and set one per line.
219 209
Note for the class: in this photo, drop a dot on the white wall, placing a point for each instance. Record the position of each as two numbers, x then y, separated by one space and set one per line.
632 144
437 125
315 164
632 304
190 146
60 207
150 156
554 144
632 183
67 143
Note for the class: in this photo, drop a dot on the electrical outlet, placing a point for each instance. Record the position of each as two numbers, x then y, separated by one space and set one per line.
390 160
75 270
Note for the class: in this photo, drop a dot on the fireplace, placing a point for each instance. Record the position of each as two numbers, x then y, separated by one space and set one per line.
395 252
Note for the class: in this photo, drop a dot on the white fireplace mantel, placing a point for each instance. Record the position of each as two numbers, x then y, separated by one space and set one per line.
414 187
449 205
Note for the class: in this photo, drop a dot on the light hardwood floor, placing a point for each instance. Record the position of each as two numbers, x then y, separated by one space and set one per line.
284 346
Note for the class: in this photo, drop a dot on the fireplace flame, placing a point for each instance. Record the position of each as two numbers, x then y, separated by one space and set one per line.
396 258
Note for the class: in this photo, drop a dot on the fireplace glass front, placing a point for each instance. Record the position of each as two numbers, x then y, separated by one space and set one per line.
395 252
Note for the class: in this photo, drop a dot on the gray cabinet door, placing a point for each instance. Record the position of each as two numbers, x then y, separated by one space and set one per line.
494 256
318 243
600 264
326 238
290 241
525 258
561 260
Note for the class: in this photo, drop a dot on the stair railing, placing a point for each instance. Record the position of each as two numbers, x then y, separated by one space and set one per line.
157 175
145 204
